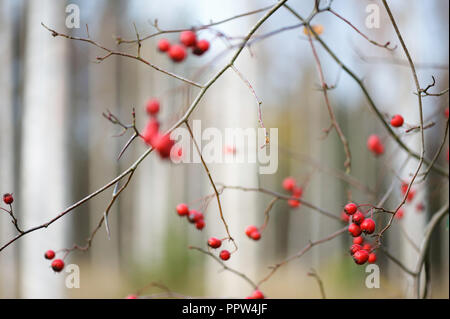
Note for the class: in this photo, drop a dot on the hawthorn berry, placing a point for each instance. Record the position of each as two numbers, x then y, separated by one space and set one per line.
57 265
200 47
163 144
358 217
177 52
49 254
255 235
289 184
351 208
182 209
411 195
372 258
214 242
397 120
368 226
293 203
400 213
358 240
194 216
361 256
151 131
367 247
200 224
354 248
8 199
224 255
188 38
250 229
297 192
163 45
375 145
257 294
152 107
345 217
354 229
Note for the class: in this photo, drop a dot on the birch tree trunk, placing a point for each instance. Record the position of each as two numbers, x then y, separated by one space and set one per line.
44 182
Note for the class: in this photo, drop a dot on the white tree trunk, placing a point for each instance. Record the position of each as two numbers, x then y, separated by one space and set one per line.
44 181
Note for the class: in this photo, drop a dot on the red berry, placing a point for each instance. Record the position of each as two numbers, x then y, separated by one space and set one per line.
358 240
151 131
293 203
182 209
200 224
404 187
420 207
152 107
214 242
255 235
201 47
163 45
188 38
289 184
446 112
368 226
367 247
411 195
250 229
8 199
49 254
351 208
177 52
397 120
358 217
372 258
57 265
374 145
361 256
297 192
400 213
163 144
131 297
355 230
224 255
345 217
257 294
194 216
354 248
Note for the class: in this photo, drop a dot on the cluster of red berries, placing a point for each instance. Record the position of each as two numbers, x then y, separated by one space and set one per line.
397 120
162 143
290 184
57 264
252 232
361 253
193 216
375 145
178 52
8 199
257 294
215 243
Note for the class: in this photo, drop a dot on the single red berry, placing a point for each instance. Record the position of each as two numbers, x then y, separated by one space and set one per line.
57 265
368 226
131 297
404 187
255 235
354 248
250 229
345 217
194 216
400 213
257 294
361 256
374 144
354 229
200 224
152 107
397 120
182 209
151 131
446 112
420 207
163 144
224 255
8 199
289 184
214 242
163 45
358 217
201 47
49 254
297 192
351 208
411 195
372 258
367 247
177 52
188 38
293 203
358 240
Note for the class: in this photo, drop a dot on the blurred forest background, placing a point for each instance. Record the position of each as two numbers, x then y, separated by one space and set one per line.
56 147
